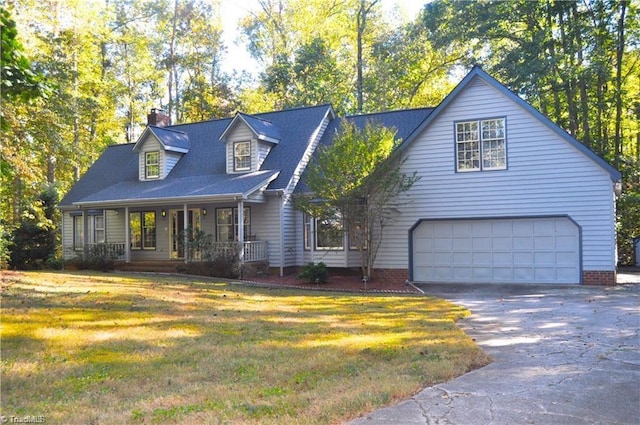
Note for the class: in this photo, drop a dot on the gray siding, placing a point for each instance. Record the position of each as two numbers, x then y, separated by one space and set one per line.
170 160
545 176
151 144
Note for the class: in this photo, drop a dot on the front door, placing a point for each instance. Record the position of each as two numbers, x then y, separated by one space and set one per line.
177 229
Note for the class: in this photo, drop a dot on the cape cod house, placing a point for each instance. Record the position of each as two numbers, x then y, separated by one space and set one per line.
505 195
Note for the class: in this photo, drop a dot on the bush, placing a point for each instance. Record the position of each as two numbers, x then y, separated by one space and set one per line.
99 257
216 264
315 273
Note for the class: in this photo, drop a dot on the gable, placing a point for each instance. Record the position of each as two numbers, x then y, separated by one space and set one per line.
510 102
165 146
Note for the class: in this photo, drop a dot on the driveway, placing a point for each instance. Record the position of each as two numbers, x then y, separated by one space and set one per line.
562 355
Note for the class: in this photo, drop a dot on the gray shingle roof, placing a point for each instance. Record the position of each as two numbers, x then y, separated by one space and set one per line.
403 121
114 176
221 186
171 139
263 128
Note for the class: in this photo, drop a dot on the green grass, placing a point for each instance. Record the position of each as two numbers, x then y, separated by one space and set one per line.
109 349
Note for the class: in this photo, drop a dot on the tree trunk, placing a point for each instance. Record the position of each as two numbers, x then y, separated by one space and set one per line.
361 24
618 88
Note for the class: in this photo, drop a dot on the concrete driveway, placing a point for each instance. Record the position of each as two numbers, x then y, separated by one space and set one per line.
562 355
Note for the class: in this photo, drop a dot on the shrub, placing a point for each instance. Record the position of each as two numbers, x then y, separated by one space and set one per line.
99 257
217 260
315 273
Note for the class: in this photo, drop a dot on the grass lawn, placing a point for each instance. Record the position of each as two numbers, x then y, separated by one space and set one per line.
82 348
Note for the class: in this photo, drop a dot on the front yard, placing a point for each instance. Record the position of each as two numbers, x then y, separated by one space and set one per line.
115 348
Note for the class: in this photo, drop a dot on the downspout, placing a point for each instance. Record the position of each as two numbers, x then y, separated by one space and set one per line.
280 194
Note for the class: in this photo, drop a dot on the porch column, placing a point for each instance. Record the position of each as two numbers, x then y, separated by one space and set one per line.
185 226
241 229
85 235
127 236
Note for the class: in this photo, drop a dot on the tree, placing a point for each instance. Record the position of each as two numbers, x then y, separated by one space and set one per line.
361 195
34 241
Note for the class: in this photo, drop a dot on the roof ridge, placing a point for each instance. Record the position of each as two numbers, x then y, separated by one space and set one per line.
165 128
388 112
298 108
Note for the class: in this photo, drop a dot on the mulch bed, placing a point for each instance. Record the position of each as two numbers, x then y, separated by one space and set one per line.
344 283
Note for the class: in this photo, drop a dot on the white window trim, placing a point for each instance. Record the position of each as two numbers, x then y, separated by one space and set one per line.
234 223
480 141
147 175
235 158
92 229
325 248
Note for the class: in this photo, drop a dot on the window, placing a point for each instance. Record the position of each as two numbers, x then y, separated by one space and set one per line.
481 145
142 226
152 165
99 229
329 234
306 231
96 231
227 224
242 156
78 232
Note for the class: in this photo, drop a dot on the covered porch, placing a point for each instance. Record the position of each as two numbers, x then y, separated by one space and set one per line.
183 233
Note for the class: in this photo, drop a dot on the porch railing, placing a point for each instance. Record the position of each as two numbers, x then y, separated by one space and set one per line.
252 250
108 250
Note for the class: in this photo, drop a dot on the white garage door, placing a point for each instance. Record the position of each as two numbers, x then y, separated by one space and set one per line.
519 250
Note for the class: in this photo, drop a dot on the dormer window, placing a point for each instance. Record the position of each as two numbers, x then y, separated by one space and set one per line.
242 156
152 165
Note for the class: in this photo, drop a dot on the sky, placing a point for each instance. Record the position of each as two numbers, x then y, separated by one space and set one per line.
237 58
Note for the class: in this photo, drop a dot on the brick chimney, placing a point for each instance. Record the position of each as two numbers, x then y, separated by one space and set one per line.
158 118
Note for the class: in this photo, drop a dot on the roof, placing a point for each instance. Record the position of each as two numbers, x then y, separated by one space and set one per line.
477 72
171 139
182 189
403 121
114 177
262 128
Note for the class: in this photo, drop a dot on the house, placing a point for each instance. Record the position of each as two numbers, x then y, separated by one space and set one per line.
505 195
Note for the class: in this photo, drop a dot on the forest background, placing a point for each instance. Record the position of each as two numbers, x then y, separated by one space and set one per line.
79 75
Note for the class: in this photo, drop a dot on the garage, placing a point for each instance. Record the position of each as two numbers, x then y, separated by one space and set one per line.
542 250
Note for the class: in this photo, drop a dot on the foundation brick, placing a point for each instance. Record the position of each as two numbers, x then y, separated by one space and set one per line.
599 278
391 275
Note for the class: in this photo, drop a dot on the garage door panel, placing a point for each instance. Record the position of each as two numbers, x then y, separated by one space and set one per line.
522 258
521 242
543 242
462 244
522 228
442 243
532 250
566 242
481 228
501 242
503 274
462 259
544 258
462 229
482 258
481 243
502 258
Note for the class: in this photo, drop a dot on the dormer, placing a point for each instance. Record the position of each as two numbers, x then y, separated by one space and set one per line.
159 150
249 140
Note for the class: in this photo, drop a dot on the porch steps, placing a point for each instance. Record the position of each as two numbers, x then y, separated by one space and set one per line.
150 266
